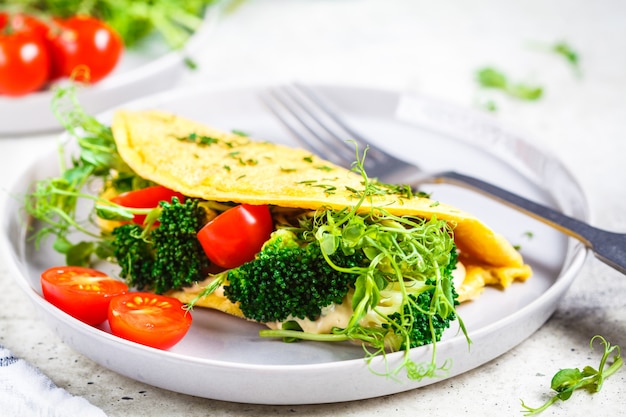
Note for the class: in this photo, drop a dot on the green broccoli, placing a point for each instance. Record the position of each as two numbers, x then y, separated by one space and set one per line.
165 256
427 328
405 315
424 328
288 279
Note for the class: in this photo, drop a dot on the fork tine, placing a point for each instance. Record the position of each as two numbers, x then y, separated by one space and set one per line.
337 132
342 134
310 125
276 104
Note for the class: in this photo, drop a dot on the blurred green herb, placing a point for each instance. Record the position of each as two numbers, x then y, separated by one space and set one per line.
566 381
489 77
568 53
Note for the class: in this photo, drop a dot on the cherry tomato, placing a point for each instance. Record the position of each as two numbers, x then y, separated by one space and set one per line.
24 56
237 235
83 293
83 42
146 198
149 319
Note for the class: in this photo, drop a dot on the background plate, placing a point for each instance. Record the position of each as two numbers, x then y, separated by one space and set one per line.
223 358
148 68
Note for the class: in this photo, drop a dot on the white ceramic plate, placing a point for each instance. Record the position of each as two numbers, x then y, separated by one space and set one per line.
223 358
149 68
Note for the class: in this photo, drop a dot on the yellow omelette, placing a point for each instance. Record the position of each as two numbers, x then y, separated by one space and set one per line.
199 161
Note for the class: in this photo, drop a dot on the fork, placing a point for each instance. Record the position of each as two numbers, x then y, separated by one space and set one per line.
309 118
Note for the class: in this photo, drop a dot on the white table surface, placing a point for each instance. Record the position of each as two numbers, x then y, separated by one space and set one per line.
432 48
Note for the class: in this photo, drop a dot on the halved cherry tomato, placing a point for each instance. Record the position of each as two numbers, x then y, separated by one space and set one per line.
84 42
237 235
83 293
147 198
149 319
24 56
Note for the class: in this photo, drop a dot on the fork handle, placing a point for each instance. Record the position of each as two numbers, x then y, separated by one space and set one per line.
609 247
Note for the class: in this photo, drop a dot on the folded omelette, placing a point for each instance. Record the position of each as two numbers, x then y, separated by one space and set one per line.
202 162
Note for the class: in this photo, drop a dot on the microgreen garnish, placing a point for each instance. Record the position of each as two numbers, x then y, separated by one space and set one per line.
495 79
308 158
566 381
54 200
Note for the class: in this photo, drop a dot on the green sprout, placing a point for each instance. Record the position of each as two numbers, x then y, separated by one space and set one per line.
566 381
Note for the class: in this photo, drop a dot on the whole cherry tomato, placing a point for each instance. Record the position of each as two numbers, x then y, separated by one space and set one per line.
84 47
24 57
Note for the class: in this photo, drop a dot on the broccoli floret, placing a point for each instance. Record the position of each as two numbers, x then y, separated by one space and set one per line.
166 256
424 326
420 331
287 280
134 255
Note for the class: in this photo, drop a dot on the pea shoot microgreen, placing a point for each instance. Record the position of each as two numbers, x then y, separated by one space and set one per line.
566 381
54 200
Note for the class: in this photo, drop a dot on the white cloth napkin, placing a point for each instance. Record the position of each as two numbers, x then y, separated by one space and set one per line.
26 392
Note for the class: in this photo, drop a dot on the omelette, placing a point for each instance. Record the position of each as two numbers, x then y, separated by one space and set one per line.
202 162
